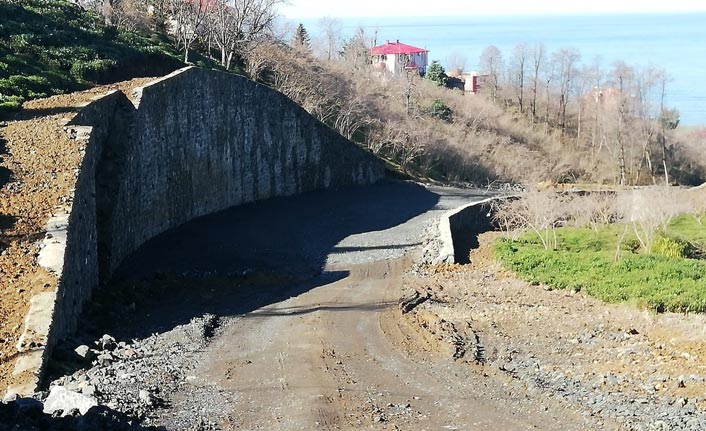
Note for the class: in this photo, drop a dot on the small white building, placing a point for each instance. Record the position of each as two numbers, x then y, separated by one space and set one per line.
398 58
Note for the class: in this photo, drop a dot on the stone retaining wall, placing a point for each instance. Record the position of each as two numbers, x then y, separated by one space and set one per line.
186 145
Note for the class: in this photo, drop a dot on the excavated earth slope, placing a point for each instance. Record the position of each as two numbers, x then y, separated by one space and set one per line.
39 160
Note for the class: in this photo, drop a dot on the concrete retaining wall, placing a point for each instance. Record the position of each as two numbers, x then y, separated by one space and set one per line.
459 228
189 144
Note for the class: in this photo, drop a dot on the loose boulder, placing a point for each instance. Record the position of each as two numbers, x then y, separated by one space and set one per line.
65 400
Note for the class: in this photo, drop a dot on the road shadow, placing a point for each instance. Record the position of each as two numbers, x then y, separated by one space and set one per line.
26 414
244 258
32 113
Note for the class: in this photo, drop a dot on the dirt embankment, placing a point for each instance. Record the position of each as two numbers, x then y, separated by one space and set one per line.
39 162
626 368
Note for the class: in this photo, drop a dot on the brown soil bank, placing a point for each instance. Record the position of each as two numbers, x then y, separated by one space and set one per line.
39 160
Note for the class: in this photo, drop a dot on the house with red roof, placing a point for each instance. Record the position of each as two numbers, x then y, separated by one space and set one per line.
398 58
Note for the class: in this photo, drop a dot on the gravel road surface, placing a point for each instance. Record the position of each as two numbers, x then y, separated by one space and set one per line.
284 315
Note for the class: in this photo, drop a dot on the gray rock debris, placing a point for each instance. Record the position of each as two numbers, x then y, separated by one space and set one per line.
84 352
140 377
107 343
64 400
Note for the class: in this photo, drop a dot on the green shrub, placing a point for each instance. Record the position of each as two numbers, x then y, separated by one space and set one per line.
20 41
11 103
52 46
585 261
440 110
91 71
670 247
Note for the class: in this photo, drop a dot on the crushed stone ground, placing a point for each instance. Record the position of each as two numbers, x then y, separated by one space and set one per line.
624 367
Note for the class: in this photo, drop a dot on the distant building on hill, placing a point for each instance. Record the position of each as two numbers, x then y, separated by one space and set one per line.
468 82
398 58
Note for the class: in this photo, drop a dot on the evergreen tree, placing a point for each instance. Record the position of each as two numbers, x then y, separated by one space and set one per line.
436 73
301 38
440 110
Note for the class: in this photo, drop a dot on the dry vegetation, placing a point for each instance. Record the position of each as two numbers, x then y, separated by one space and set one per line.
646 212
394 118
551 122
541 116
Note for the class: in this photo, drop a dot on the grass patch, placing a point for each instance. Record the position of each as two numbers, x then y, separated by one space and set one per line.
585 261
50 47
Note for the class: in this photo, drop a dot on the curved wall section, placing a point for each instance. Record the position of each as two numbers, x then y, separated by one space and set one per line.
189 144
200 141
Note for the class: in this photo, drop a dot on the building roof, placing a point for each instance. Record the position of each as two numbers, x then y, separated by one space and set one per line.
396 48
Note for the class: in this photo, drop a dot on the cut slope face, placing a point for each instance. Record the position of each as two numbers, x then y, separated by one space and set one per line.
39 161
186 145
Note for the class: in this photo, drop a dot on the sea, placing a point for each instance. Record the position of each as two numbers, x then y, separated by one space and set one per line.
674 42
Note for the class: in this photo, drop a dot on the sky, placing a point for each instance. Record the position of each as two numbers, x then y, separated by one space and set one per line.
421 8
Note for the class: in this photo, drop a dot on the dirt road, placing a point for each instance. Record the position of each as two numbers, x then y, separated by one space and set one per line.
284 315
320 343
326 360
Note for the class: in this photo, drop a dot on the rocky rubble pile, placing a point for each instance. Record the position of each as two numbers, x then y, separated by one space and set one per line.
30 414
138 378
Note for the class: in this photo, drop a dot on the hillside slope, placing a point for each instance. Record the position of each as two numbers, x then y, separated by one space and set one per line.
50 47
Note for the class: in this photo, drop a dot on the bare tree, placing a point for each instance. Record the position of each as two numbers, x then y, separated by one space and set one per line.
649 211
351 117
355 52
536 211
565 60
518 73
332 29
490 64
669 120
236 24
623 76
593 77
409 147
188 17
538 54
456 62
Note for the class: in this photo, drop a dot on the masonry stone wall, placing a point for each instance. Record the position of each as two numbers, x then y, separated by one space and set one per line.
466 224
79 273
189 144
458 232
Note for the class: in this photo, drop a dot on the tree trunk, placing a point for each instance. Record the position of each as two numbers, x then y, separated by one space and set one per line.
578 126
664 135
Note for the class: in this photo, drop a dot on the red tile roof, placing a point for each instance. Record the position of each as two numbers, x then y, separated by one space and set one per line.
396 48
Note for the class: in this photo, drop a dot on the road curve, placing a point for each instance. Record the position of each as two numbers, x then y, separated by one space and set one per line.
326 348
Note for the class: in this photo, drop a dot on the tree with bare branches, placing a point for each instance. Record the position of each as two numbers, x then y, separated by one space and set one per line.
565 60
332 29
187 17
491 63
518 73
538 54
236 24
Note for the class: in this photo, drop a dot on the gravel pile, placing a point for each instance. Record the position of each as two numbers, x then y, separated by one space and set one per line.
145 378
28 414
